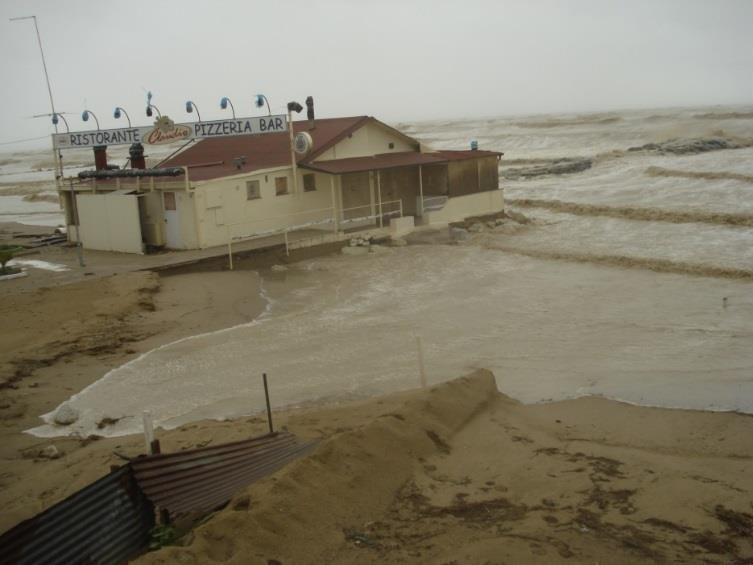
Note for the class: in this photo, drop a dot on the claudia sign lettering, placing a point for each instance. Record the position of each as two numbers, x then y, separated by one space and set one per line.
166 131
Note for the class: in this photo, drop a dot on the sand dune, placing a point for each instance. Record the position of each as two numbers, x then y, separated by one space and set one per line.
463 474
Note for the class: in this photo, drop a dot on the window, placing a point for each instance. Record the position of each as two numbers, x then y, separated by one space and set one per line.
253 190
170 201
281 185
309 182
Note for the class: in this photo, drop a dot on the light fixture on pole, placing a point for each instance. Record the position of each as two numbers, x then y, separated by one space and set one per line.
149 106
224 104
121 112
260 100
190 107
56 117
85 116
54 114
292 107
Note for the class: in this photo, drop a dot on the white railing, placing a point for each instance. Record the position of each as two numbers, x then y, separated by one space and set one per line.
431 203
310 219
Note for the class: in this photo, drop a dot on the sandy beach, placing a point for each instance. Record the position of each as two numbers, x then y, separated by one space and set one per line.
459 473
588 360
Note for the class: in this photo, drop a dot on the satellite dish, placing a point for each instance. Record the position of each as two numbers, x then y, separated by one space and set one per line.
303 143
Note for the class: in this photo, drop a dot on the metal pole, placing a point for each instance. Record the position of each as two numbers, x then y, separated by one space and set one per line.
334 203
269 406
292 153
379 196
148 430
421 368
79 243
421 189
230 254
287 248
41 51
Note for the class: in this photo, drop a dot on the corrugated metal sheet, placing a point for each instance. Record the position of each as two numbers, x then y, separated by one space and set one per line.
106 522
205 478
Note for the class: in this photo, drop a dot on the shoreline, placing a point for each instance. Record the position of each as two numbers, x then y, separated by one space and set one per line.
531 443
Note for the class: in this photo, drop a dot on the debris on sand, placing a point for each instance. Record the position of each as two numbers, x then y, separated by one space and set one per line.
65 415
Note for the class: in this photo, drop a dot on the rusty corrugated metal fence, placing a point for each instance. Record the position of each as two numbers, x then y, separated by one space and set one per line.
110 520
202 479
106 522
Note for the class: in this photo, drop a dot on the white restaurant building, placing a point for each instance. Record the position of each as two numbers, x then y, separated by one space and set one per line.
349 173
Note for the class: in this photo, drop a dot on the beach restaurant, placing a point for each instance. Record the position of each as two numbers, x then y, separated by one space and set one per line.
244 178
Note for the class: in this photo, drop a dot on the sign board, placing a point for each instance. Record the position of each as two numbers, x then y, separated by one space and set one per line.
165 131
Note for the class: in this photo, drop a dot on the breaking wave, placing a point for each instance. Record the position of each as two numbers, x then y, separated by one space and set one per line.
725 116
553 167
623 261
524 168
694 145
564 122
41 197
707 175
633 213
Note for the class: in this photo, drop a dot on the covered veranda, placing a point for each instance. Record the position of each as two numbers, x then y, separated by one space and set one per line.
417 182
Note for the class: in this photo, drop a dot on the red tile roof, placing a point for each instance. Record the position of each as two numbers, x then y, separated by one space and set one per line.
213 158
393 160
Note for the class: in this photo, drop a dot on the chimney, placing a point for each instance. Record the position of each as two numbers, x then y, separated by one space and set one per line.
136 152
100 157
310 111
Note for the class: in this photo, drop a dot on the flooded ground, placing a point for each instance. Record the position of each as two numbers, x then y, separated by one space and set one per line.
569 304
346 326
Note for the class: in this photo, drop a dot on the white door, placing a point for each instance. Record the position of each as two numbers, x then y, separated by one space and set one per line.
172 221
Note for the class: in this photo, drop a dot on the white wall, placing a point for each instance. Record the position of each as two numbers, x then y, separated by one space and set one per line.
110 222
461 207
371 139
224 211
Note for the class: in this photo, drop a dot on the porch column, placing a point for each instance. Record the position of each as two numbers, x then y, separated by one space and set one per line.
421 189
379 194
372 211
334 203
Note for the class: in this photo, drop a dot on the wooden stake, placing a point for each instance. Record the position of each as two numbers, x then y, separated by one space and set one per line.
421 368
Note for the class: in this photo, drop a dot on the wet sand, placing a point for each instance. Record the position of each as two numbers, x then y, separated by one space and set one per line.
345 327
591 478
463 474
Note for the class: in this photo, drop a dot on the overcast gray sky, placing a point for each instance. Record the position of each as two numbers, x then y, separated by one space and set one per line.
397 60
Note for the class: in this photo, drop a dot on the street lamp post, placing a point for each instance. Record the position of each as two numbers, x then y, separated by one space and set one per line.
224 104
260 100
292 107
190 107
85 116
121 112
149 106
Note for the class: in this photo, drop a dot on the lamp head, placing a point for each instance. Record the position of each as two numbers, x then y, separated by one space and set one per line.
259 101
85 115
149 112
55 119
294 107
116 114
223 102
189 106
